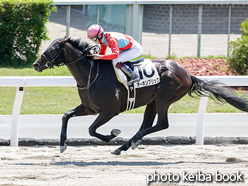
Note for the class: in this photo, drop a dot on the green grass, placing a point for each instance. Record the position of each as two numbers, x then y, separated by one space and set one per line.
58 100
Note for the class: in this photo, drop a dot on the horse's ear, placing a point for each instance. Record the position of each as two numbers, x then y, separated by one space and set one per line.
65 40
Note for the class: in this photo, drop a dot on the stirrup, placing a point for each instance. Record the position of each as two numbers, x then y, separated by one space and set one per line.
133 80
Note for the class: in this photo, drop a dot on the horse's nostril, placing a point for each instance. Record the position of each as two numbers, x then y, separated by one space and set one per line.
36 65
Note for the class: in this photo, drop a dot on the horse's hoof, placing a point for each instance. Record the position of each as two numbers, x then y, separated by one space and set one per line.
63 148
116 132
116 152
135 144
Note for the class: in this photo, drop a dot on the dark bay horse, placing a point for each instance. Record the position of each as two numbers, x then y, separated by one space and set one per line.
101 93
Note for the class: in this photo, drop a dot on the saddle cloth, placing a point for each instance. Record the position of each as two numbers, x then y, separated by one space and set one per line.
147 73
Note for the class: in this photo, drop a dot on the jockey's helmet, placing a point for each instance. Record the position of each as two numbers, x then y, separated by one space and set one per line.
94 30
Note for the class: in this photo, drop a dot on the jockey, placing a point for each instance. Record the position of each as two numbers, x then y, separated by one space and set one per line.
124 48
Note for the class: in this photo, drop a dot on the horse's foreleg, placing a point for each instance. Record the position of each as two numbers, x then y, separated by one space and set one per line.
63 135
149 116
78 111
102 118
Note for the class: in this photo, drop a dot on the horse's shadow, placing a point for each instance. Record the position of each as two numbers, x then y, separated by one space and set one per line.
128 163
113 163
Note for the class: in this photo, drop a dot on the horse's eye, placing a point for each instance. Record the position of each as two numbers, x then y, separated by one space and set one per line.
52 48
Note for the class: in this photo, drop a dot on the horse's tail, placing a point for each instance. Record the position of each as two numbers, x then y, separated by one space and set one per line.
218 92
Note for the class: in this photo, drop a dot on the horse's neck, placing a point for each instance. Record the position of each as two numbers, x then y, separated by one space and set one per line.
80 72
79 69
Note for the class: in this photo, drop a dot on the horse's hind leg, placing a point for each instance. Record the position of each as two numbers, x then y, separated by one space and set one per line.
78 111
149 116
162 123
170 90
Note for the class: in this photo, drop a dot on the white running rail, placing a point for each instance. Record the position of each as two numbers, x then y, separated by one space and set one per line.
67 81
29 81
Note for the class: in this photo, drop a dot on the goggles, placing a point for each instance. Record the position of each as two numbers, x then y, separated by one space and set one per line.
93 38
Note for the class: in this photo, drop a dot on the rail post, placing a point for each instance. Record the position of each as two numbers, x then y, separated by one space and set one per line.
200 123
201 120
15 116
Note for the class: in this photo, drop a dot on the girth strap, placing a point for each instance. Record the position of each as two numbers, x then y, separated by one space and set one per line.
131 96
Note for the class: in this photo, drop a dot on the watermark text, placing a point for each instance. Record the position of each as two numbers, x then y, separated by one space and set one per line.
198 176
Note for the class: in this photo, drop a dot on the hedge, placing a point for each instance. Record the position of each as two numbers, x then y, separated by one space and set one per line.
22 28
238 58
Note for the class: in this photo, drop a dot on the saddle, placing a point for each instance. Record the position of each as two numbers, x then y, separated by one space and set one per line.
133 63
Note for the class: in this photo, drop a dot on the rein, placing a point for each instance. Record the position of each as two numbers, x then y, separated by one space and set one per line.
88 82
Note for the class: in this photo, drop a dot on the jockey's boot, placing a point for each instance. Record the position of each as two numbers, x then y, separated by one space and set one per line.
128 71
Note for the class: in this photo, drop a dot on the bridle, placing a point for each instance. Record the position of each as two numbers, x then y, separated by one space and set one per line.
51 59
60 47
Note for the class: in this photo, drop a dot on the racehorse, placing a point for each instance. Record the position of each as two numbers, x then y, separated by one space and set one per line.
101 92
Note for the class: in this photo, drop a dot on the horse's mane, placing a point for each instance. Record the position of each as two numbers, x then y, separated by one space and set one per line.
83 44
80 44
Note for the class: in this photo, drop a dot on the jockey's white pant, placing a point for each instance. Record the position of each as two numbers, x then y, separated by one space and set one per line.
126 55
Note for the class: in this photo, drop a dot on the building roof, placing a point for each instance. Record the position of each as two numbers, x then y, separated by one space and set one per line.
95 2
